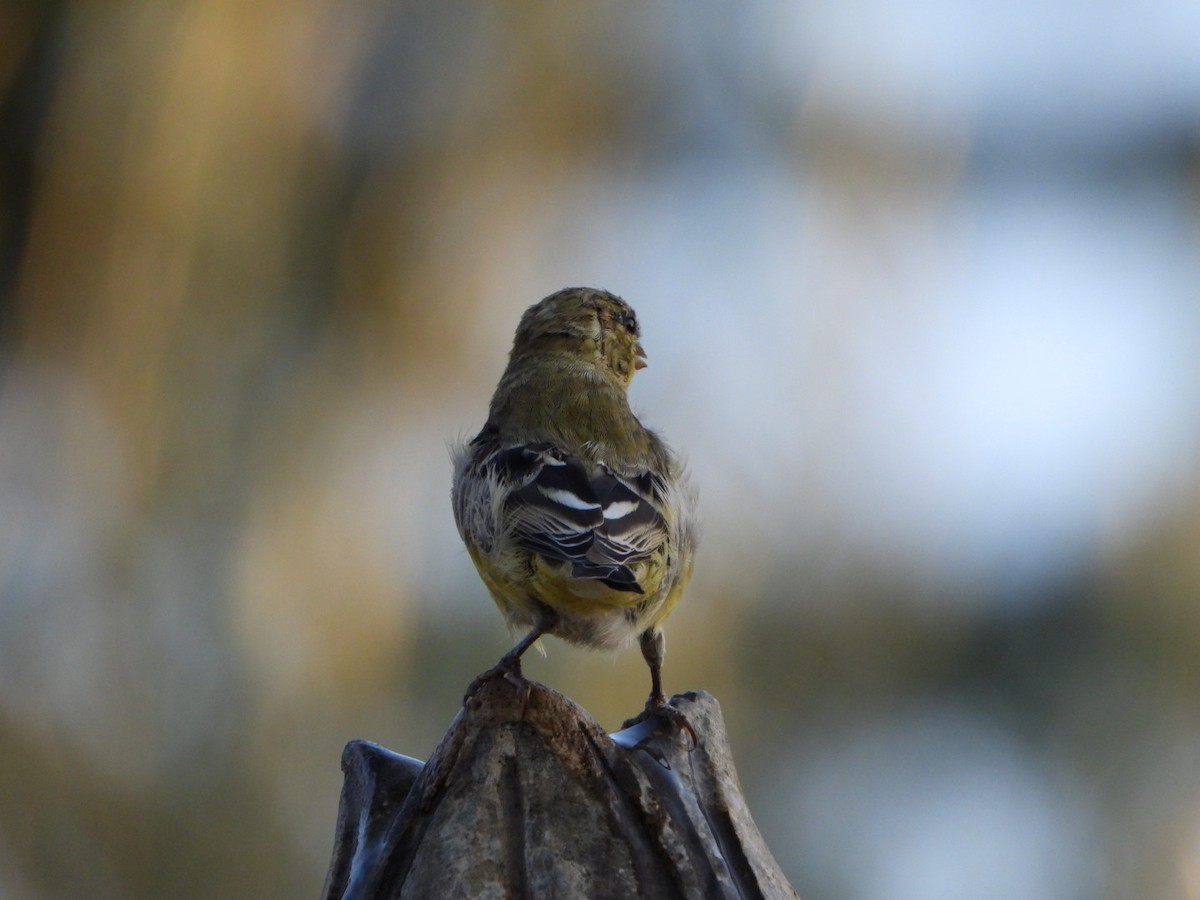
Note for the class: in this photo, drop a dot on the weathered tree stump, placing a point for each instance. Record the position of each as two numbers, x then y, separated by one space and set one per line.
527 796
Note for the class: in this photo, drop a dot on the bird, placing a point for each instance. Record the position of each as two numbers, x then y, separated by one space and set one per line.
580 520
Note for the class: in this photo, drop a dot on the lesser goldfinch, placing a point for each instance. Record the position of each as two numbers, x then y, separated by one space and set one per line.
580 520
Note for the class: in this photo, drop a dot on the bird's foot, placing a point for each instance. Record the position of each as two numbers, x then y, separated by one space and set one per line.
657 706
509 668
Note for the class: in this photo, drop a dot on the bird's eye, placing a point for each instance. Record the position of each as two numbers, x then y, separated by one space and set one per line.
629 322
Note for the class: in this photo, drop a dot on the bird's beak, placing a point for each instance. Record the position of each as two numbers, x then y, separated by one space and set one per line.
640 360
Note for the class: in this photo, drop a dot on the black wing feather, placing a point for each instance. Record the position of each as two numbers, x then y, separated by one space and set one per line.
595 519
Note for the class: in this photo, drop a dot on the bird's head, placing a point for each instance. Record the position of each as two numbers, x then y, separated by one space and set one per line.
598 326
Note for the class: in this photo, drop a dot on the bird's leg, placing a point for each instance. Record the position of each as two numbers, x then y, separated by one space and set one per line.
654 646
509 665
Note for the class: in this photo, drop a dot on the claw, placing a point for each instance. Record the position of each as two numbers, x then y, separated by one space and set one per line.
657 705
508 669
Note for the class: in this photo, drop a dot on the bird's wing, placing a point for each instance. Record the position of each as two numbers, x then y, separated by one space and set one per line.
562 508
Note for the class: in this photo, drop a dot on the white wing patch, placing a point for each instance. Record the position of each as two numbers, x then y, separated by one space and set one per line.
568 499
620 508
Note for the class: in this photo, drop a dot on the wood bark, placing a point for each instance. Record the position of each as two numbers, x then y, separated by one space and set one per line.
526 796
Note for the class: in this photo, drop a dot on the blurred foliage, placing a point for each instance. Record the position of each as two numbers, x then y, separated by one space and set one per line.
260 261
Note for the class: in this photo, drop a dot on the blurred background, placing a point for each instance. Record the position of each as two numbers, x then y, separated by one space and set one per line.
920 287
